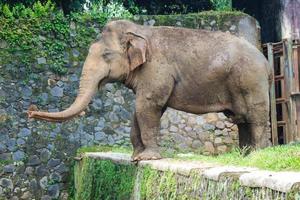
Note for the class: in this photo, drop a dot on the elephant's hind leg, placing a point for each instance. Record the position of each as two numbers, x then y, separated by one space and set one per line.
258 117
257 121
255 131
244 135
135 137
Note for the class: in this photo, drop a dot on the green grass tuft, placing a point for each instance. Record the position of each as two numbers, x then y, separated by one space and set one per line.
277 158
105 148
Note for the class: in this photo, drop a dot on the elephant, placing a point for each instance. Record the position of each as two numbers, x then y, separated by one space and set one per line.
192 70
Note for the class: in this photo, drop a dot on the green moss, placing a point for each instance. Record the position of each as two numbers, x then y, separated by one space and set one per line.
102 179
168 185
294 193
158 185
195 20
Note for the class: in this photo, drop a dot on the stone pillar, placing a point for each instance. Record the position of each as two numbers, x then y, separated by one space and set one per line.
290 19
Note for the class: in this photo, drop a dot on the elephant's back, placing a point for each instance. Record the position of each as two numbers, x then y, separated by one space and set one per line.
203 48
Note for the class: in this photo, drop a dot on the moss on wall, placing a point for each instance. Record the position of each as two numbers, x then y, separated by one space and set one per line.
195 20
102 179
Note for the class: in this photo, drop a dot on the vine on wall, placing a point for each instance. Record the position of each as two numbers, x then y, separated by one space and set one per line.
41 32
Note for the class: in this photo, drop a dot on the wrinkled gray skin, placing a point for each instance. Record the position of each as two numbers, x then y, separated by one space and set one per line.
195 71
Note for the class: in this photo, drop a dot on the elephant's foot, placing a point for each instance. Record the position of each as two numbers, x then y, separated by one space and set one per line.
136 152
147 154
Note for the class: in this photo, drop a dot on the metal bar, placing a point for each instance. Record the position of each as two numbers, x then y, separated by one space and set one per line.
274 132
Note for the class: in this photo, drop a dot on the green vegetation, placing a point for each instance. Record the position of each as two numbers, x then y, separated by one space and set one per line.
158 185
285 157
68 6
137 6
42 31
102 179
105 148
222 5
168 185
188 20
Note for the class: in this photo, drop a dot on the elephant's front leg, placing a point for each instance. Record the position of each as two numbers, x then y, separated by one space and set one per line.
148 117
135 137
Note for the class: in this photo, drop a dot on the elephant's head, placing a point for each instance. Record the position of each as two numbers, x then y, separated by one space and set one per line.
122 48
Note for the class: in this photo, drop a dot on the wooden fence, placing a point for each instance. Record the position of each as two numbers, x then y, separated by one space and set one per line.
284 57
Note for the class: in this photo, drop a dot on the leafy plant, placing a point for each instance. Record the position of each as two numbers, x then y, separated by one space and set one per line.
6 12
40 10
113 9
42 31
222 5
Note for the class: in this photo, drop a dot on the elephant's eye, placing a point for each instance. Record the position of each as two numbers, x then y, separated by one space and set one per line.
107 55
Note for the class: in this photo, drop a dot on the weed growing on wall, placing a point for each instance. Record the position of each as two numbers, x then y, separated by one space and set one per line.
102 179
39 37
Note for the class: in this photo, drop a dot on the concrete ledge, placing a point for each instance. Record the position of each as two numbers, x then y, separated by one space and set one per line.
199 178
279 181
216 172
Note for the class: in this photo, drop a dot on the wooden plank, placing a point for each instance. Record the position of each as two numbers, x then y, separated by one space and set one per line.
296 94
279 77
280 100
273 114
283 91
285 106
281 123
289 80
296 68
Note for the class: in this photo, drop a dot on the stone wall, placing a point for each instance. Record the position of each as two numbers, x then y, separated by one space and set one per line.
35 156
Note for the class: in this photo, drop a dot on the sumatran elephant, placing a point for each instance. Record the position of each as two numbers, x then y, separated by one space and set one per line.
196 71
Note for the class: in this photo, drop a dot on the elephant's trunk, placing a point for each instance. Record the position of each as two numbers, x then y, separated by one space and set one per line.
88 85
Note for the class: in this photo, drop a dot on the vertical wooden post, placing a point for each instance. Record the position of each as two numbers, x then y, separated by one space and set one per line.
296 92
272 97
289 76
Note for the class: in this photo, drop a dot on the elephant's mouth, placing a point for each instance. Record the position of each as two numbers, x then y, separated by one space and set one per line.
101 84
103 81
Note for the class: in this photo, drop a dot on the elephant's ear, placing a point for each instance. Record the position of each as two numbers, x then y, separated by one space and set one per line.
137 50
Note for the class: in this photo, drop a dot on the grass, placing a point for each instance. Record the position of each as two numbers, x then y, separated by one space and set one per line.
105 148
277 158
